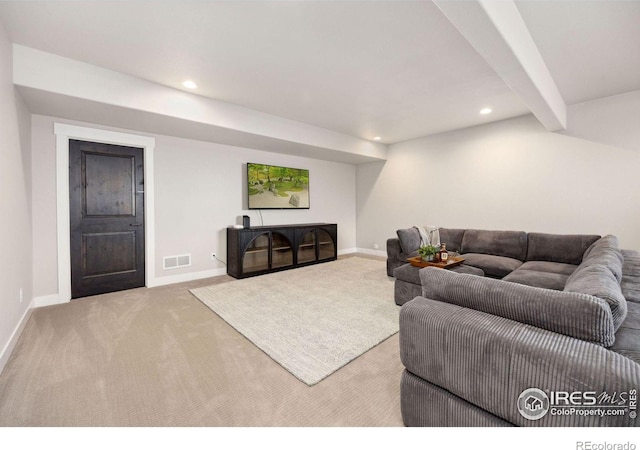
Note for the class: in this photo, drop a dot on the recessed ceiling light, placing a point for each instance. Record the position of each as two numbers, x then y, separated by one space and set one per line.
377 138
190 84
485 111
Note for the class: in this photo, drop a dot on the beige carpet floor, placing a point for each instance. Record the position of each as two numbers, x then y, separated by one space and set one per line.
315 322
159 357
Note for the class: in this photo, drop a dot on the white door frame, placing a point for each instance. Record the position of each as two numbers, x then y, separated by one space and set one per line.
63 133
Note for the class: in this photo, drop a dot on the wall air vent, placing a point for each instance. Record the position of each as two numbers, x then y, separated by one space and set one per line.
175 262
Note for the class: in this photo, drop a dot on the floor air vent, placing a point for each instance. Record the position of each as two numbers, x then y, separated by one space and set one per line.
175 262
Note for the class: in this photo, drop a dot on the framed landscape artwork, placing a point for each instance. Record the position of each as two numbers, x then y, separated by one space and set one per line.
277 187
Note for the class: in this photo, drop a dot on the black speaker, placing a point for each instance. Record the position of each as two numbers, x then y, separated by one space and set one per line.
246 221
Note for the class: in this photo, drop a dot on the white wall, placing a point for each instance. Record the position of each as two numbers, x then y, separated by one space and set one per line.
15 206
199 192
611 120
511 175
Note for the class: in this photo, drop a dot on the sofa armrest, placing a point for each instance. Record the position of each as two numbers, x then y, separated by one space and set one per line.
395 256
574 314
394 251
489 361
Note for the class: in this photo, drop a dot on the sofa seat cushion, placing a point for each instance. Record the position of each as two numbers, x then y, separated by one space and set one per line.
558 247
510 244
628 335
535 278
492 265
542 274
548 266
546 280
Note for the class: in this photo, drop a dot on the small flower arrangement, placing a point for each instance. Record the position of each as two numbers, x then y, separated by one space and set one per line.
428 252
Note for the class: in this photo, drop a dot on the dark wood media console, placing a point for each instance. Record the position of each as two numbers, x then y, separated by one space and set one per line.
259 250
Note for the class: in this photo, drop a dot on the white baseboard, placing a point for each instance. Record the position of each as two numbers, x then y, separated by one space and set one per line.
46 300
367 251
347 251
54 299
172 279
13 340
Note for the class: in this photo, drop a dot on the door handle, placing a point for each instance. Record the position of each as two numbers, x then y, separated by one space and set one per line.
135 224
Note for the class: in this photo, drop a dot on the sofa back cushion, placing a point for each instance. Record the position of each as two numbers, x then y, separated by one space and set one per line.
578 315
409 240
600 274
598 281
567 249
605 251
630 283
511 244
452 237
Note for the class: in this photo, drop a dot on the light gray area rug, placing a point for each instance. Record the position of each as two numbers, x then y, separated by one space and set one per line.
312 320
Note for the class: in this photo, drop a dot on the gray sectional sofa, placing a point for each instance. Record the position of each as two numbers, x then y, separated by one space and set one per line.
558 313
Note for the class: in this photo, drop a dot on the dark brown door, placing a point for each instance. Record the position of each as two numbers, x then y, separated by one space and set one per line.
106 205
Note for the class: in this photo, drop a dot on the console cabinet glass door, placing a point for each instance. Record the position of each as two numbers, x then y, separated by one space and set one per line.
307 247
271 250
326 246
281 251
256 257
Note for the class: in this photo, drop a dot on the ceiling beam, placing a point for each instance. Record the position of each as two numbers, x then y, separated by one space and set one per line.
498 33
